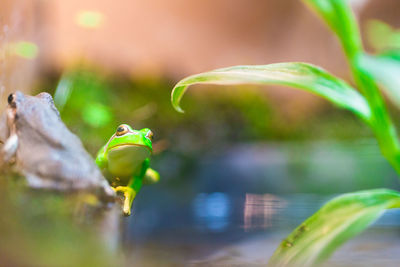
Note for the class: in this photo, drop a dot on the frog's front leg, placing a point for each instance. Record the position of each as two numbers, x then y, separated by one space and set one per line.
10 145
130 191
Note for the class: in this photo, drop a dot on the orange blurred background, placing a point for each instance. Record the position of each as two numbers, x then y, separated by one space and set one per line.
169 38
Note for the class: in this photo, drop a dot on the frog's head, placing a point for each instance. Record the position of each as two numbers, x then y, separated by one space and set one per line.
126 136
127 149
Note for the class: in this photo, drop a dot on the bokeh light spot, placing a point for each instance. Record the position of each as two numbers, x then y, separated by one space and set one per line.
89 19
25 49
96 114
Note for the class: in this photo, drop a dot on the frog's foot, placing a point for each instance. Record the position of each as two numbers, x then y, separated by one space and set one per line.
151 176
129 195
9 148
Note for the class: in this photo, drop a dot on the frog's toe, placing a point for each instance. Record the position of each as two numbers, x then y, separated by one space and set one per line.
127 210
129 196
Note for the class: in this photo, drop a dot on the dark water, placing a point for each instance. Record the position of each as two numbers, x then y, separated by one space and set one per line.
241 202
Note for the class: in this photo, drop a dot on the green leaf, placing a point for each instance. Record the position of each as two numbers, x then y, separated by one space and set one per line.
337 221
385 70
298 75
338 15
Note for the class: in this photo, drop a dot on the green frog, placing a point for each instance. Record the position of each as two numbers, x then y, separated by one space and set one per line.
125 161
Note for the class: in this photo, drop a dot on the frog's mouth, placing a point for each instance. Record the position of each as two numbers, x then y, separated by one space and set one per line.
123 145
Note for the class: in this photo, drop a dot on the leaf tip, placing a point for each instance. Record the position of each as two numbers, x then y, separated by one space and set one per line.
178 108
176 96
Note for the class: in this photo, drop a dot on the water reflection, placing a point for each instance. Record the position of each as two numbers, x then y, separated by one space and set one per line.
259 210
212 211
240 229
235 207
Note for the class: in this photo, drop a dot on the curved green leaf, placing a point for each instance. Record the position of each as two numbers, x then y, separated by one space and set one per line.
338 15
385 69
298 75
337 221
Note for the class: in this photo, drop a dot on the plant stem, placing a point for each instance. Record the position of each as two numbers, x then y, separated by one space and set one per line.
382 124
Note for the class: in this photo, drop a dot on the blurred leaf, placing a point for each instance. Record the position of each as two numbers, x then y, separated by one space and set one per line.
337 221
63 92
382 36
298 75
385 69
338 15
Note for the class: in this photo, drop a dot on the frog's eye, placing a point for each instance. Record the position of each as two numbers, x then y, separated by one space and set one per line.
121 130
149 135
